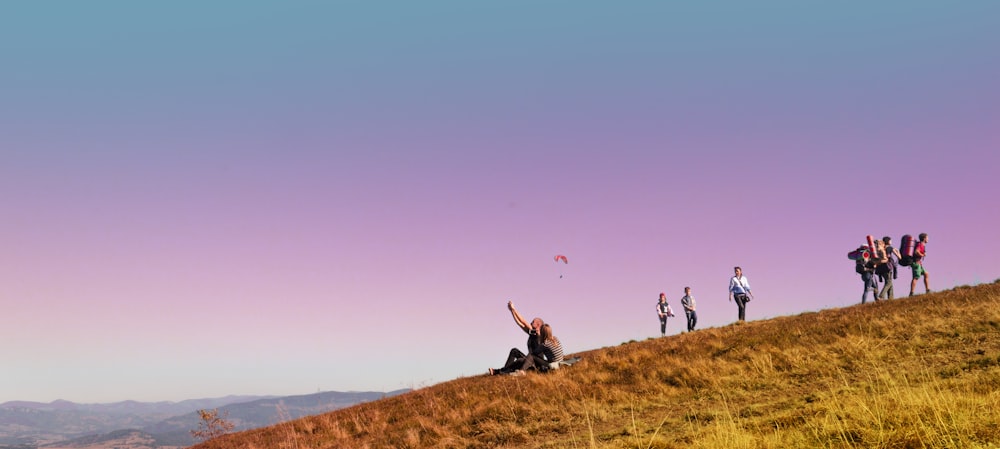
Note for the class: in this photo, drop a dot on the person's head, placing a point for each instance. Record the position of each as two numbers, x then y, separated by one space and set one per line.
537 324
545 333
687 290
879 244
738 270
887 240
923 237
663 297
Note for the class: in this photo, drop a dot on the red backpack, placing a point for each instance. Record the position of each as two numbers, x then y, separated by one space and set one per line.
906 250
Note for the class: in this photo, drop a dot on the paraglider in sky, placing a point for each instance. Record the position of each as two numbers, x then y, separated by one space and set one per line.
562 258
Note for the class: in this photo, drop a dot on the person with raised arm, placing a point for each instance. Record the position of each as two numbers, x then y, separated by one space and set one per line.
516 359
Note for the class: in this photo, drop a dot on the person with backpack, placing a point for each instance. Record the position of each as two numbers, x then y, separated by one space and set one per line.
866 268
892 269
664 311
882 270
919 253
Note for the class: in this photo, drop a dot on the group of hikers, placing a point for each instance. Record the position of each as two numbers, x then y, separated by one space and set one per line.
739 291
882 266
545 351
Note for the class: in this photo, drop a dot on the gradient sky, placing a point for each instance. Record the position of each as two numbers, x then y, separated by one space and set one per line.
208 198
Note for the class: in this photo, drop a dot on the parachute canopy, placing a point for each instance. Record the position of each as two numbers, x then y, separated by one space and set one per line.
562 258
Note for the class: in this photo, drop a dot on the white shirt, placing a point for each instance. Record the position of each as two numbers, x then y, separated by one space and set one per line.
739 285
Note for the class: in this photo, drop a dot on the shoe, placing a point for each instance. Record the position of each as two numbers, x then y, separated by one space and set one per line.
519 372
491 372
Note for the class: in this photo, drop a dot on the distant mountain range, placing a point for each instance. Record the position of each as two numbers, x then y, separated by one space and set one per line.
131 424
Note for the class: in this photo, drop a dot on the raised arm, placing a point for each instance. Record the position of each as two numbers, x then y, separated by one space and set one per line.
518 318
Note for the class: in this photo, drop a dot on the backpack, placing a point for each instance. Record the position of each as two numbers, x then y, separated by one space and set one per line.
863 266
859 254
861 257
892 262
906 249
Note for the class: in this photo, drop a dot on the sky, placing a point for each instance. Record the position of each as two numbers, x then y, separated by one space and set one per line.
203 199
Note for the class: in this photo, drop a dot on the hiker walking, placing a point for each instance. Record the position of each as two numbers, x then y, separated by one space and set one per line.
739 289
919 253
663 310
891 271
866 268
687 302
882 271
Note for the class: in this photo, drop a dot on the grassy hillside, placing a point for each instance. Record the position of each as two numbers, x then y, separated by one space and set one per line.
909 373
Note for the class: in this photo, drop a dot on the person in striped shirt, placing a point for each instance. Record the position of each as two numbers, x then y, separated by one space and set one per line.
552 348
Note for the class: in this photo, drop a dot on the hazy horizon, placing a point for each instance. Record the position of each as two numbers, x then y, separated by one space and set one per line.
264 198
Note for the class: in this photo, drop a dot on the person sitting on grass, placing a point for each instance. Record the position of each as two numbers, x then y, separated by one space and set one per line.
548 353
516 358
551 352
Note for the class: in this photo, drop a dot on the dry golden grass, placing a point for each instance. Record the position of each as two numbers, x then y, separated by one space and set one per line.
921 372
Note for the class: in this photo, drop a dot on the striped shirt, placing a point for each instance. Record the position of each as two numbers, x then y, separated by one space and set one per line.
552 349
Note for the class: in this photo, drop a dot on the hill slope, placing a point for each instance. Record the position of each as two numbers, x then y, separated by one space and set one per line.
913 372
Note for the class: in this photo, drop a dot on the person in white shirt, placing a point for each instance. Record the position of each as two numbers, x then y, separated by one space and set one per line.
739 289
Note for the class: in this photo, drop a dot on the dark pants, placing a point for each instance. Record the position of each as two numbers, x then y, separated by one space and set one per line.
741 303
535 362
514 361
692 319
663 325
517 360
